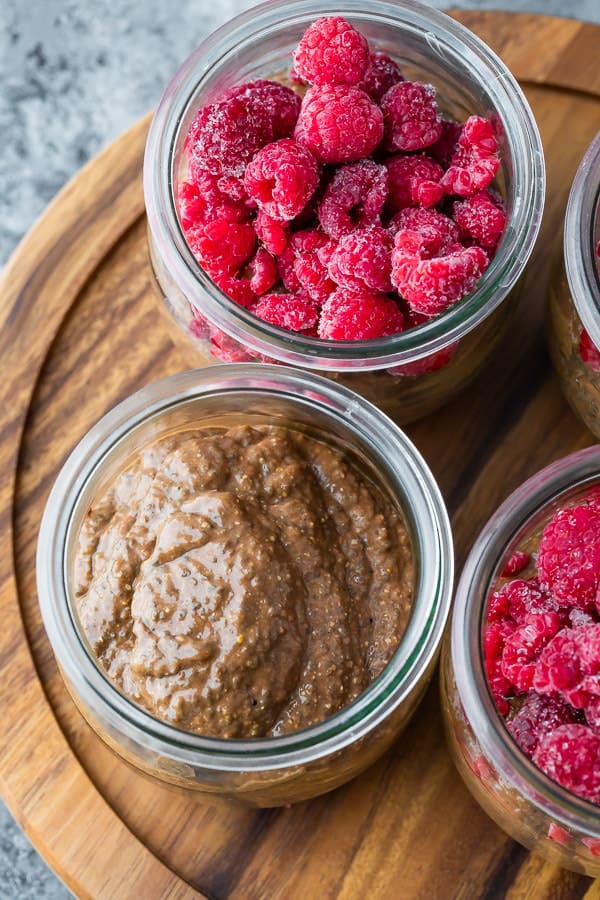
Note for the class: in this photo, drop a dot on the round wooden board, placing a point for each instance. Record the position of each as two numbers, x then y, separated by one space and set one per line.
79 330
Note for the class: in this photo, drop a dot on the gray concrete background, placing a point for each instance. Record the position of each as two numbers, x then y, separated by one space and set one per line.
73 75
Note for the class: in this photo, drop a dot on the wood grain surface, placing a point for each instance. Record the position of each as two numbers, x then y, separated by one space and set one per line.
79 331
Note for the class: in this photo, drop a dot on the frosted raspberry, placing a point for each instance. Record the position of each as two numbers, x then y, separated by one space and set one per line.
428 364
411 117
363 259
525 598
273 234
353 198
281 104
414 181
262 272
382 74
226 348
224 136
438 231
237 289
358 316
201 202
588 352
222 246
282 177
480 219
287 272
199 326
537 716
331 51
518 561
592 713
497 608
494 639
570 755
432 285
570 665
475 162
294 312
339 123
569 556
522 649
445 147
311 270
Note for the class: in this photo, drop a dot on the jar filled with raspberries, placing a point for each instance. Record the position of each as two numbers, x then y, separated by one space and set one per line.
521 666
574 308
355 193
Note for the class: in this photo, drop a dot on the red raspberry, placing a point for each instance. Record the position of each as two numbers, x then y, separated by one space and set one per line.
480 219
282 178
353 198
201 202
382 74
445 147
516 563
281 104
226 348
237 289
570 755
331 51
569 556
263 272
310 268
537 717
350 315
523 648
570 665
525 598
222 246
428 364
588 352
494 638
592 713
475 163
339 124
363 259
414 181
497 608
273 234
411 117
294 312
287 272
199 326
432 285
439 232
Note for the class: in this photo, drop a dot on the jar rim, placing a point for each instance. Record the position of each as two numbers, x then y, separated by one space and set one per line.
581 227
417 647
448 37
480 570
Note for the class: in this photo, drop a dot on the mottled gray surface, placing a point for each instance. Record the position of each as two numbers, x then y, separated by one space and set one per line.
73 75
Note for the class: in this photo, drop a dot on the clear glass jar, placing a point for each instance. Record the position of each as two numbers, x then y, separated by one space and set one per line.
266 771
574 308
410 374
531 807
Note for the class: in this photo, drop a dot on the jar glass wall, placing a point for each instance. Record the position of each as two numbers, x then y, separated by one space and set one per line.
263 771
408 374
525 802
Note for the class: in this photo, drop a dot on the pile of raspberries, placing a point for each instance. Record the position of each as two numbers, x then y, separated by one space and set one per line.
542 649
352 212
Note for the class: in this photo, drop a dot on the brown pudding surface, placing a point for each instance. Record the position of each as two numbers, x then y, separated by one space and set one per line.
243 582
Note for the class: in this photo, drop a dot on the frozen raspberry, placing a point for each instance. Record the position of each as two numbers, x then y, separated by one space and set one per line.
526 598
497 608
569 556
516 563
226 348
537 716
287 272
475 162
331 51
432 285
262 272
588 352
414 181
224 136
494 639
382 74
222 246
237 289
570 665
411 117
353 198
363 259
480 219
350 315
578 617
273 234
282 178
522 649
445 147
294 312
201 202
428 364
438 231
570 755
311 270
592 713
199 326
281 104
339 124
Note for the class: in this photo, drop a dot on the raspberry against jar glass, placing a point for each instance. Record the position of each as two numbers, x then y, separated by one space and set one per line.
521 676
323 189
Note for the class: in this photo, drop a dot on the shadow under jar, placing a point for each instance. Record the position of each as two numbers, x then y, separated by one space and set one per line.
409 374
531 807
574 308
262 771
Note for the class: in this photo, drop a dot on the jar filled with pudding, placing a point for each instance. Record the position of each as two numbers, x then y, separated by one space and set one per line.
244 573
387 256
574 308
520 668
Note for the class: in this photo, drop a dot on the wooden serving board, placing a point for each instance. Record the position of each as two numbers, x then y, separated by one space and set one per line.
79 330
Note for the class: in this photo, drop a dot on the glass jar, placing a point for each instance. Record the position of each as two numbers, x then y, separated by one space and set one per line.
574 309
525 802
410 374
265 771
